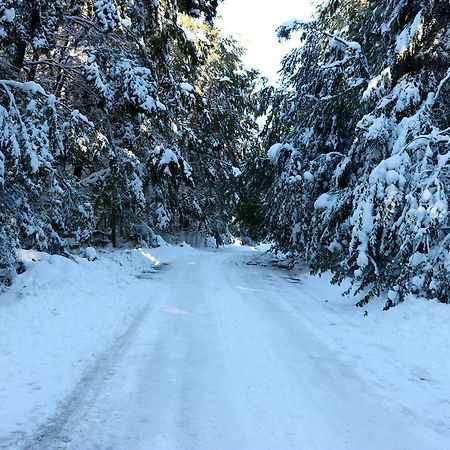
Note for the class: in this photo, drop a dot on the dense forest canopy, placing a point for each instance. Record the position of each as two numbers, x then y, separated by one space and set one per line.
124 119
120 119
356 178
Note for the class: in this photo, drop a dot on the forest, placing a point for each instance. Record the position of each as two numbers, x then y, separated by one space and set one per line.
197 256
122 120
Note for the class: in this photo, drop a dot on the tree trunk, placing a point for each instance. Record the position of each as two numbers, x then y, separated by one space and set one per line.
78 170
21 45
113 226
19 56
32 73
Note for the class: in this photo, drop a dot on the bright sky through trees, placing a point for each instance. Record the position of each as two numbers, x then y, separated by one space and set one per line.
253 22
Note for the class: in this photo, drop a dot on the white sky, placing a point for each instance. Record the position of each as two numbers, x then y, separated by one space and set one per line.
253 23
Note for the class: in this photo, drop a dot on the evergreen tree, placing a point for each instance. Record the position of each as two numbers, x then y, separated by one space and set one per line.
358 139
122 117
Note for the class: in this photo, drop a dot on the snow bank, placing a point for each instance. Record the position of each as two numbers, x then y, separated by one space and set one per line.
57 317
401 353
91 253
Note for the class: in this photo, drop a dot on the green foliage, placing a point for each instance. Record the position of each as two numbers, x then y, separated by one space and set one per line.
359 147
119 117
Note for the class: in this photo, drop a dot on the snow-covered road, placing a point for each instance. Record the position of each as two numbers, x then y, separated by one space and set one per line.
223 355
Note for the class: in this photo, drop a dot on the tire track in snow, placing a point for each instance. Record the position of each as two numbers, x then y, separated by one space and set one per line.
53 433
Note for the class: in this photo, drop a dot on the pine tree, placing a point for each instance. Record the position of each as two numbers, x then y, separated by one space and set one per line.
358 137
103 107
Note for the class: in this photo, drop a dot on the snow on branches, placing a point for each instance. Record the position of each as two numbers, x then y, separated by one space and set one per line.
365 104
7 14
106 14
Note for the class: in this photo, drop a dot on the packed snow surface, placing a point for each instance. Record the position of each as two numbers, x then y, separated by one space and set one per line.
176 348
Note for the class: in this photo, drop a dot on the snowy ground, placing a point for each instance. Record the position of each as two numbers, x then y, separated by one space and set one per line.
209 352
